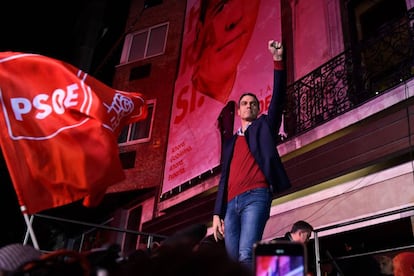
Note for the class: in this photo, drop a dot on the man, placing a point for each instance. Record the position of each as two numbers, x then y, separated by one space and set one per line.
300 232
252 170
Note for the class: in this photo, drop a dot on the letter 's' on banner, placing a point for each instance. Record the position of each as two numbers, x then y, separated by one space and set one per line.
59 130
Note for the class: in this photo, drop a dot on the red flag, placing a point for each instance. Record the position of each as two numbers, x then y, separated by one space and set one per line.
59 130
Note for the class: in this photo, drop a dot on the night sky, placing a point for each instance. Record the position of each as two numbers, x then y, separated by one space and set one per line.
66 30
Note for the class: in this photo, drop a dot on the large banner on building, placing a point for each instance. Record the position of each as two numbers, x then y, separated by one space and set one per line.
224 54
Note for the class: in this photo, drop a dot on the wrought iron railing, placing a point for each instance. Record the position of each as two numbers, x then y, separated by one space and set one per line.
352 78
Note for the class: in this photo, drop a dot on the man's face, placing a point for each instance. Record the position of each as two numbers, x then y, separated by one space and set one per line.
225 34
248 108
304 236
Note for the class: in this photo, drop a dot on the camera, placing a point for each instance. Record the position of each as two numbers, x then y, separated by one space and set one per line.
279 258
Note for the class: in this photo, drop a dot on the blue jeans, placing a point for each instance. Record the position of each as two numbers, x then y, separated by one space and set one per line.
244 223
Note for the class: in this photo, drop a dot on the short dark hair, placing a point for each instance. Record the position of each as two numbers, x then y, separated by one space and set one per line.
252 95
301 225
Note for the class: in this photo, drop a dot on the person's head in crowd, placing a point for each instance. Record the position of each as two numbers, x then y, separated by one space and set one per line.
403 264
60 262
189 237
301 231
15 255
385 264
210 242
223 33
203 260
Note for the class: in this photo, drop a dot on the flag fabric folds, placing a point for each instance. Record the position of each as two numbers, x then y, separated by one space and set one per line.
59 129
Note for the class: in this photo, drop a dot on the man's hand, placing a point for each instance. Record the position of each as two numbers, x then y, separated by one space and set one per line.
276 49
218 228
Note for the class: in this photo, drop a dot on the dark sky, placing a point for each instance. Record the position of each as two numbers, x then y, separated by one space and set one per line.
43 27
80 32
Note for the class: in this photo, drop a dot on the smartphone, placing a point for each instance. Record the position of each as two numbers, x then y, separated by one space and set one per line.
280 258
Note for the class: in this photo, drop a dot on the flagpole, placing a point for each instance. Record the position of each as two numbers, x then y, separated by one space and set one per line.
29 227
26 236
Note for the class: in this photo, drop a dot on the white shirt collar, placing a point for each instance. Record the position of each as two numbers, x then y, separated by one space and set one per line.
240 131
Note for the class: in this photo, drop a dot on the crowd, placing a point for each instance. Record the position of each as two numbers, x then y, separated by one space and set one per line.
187 252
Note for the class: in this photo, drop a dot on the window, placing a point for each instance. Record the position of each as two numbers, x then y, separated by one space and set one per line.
145 43
151 3
141 131
129 240
128 159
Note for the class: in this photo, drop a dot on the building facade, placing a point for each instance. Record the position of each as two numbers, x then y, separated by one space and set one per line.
348 125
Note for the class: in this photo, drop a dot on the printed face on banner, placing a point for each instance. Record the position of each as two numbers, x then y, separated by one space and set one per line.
223 32
224 54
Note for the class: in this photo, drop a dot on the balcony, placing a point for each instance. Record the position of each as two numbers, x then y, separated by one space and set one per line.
352 78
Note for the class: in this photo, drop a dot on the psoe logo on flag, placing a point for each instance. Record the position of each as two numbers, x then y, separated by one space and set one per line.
121 107
42 97
42 116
